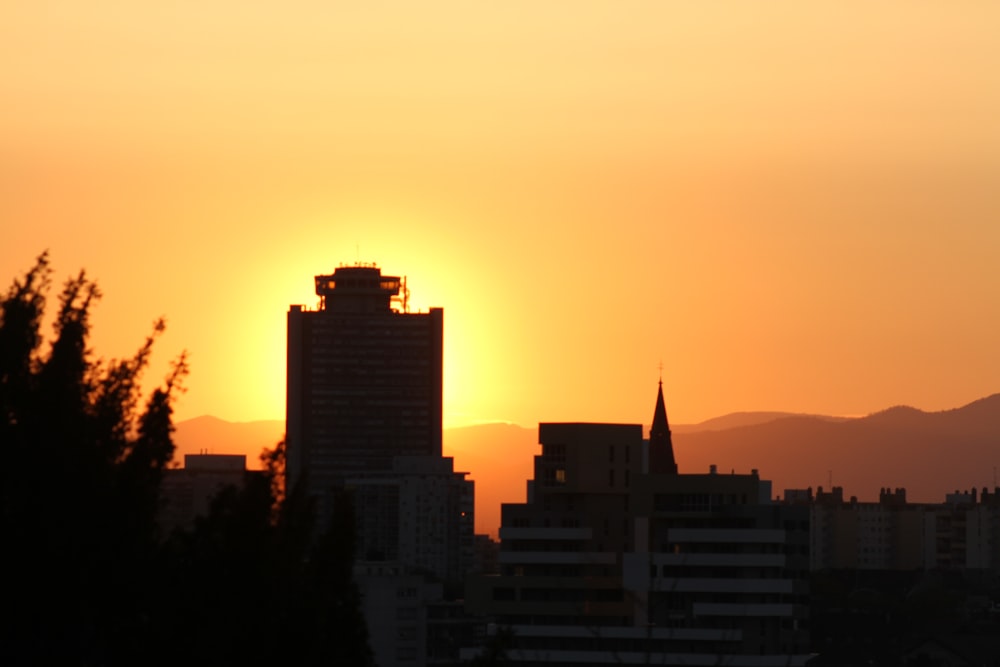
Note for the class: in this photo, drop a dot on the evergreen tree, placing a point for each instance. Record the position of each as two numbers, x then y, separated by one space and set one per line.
81 473
87 577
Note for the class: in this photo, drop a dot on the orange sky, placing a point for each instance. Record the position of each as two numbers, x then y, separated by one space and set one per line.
792 205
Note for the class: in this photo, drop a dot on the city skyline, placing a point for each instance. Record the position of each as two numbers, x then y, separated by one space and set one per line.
791 208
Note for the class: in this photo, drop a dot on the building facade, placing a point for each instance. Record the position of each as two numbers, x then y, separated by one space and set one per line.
421 514
962 533
364 403
364 380
609 562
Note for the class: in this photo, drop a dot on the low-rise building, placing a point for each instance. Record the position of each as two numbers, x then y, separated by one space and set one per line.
187 493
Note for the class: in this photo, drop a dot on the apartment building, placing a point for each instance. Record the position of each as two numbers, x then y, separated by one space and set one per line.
609 562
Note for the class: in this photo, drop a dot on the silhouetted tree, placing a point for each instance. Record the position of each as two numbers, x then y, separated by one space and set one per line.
336 597
81 474
87 577
253 581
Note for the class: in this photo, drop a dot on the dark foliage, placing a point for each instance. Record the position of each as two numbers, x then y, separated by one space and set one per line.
88 578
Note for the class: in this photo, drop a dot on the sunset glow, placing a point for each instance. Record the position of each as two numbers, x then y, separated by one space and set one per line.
793 206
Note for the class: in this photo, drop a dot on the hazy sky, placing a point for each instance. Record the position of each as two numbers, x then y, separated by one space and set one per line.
791 205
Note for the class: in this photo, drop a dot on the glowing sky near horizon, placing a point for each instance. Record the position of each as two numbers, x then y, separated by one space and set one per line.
792 206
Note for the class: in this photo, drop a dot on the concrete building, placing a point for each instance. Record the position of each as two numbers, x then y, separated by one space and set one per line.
850 535
962 533
609 562
364 415
421 514
364 380
417 624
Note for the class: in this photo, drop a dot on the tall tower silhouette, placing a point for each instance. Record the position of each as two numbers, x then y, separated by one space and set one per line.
364 422
364 380
661 447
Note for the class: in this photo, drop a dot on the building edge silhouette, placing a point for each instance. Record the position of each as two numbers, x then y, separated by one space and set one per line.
364 416
617 558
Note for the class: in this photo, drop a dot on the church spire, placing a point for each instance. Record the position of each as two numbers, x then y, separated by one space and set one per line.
661 448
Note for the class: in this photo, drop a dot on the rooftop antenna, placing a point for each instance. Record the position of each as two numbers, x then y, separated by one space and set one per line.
406 296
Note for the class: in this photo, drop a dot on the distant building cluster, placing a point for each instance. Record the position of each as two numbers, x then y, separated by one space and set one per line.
616 557
963 532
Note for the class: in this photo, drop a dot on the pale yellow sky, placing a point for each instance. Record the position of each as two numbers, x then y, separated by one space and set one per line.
791 205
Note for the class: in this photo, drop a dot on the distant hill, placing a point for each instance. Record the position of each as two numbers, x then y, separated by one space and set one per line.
929 453
737 419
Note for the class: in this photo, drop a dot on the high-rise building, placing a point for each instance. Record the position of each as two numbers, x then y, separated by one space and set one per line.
364 380
364 417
